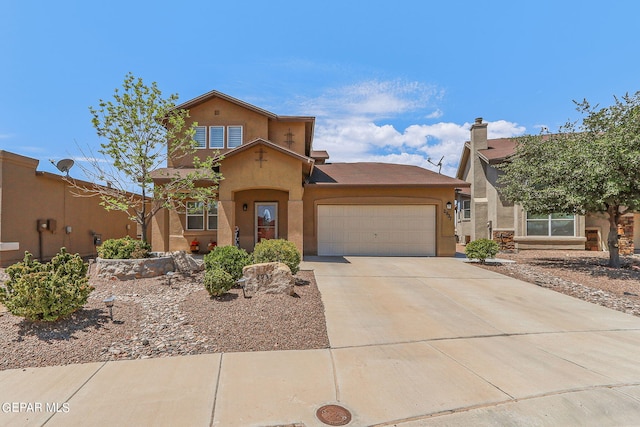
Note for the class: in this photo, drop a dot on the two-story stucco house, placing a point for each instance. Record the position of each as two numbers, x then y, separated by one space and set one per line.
277 186
483 213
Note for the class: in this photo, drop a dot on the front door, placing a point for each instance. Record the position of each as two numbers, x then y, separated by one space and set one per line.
266 223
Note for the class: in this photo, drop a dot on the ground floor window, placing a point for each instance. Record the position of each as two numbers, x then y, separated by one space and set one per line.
551 225
212 216
196 215
466 209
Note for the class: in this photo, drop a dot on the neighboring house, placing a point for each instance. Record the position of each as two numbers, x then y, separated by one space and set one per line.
483 213
39 214
277 186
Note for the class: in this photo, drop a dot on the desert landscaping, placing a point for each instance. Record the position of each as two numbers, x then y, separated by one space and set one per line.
160 317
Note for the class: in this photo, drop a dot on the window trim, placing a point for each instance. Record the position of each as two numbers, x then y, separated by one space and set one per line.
204 129
241 136
549 221
466 211
204 214
195 215
208 214
224 134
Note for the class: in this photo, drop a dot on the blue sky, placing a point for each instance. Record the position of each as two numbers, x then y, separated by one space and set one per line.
387 81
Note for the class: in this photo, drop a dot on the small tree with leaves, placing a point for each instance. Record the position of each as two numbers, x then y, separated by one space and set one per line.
142 131
589 167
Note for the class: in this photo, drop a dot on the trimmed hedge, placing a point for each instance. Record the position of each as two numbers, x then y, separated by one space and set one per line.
229 258
124 248
278 250
217 281
46 292
481 249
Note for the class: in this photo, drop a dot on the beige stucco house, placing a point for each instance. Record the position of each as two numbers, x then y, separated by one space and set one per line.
277 186
483 213
40 214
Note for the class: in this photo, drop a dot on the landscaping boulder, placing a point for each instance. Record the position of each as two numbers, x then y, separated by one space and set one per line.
185 263
268 278
127 269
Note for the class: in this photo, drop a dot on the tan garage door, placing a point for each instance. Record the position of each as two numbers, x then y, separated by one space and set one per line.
384 230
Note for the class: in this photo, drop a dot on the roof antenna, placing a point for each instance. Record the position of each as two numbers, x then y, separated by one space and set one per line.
63 165
439 164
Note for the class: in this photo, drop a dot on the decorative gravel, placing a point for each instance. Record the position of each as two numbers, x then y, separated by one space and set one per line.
152 318
581 274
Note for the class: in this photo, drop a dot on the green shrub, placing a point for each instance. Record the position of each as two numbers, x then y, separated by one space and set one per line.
217 281
229 258
278 250
124 248
481 249
46 292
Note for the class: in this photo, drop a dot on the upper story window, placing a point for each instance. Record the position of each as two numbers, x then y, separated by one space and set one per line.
551 225
234 138
216 136
201 137
219 137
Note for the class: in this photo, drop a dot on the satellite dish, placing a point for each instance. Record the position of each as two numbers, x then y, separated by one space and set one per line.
64 165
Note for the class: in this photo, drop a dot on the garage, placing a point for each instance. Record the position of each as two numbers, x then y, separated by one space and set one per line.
377 230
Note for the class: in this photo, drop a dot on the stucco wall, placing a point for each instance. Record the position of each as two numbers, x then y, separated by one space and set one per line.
278 131
245 181
314 195
27 196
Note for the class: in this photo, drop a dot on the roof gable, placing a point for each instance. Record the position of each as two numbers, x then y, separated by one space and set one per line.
308 162
497 151
215 94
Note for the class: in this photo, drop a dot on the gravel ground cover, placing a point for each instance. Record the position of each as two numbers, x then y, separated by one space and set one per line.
152 318
581 274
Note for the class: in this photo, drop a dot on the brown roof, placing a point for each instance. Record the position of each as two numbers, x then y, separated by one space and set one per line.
386 174
499 149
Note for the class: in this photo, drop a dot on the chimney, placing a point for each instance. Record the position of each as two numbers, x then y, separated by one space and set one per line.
478 135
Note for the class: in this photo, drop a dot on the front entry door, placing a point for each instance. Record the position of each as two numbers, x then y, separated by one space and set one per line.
266 221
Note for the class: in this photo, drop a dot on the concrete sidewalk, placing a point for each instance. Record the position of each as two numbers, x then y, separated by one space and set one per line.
414 342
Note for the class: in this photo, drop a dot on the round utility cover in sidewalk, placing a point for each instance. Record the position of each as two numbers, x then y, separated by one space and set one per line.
334 415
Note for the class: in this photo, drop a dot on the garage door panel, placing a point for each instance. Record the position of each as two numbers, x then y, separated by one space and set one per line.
396 230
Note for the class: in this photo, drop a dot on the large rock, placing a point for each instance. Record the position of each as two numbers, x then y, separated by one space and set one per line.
126 269
185 263
268 278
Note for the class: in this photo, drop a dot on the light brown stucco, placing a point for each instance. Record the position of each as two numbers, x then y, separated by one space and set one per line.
27 196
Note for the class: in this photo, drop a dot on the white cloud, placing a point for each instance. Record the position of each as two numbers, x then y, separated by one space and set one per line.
504 129
374 99
435 114
347 126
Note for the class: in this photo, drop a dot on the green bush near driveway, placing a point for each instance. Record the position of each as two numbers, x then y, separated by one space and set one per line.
481 249
278 250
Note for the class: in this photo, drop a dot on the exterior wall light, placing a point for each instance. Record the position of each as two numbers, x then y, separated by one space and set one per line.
245 207
449 206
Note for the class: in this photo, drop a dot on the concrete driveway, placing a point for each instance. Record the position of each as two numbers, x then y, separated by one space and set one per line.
414 342
435 341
